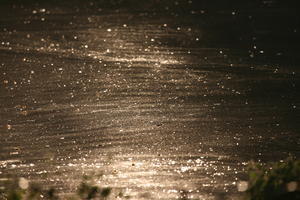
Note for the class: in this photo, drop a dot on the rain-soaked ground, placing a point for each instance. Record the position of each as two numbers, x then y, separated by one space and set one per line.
160 98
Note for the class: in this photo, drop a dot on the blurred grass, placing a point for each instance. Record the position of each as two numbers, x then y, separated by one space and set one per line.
21 189
278 181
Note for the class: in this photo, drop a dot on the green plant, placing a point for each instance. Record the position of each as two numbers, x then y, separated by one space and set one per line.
21 189
88 191
280 181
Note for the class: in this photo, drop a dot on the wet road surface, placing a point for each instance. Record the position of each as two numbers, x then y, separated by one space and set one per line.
157 102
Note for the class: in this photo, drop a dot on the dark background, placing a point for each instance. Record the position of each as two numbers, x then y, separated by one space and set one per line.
269 25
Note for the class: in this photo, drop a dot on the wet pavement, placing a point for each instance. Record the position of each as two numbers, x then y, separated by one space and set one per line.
164 103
